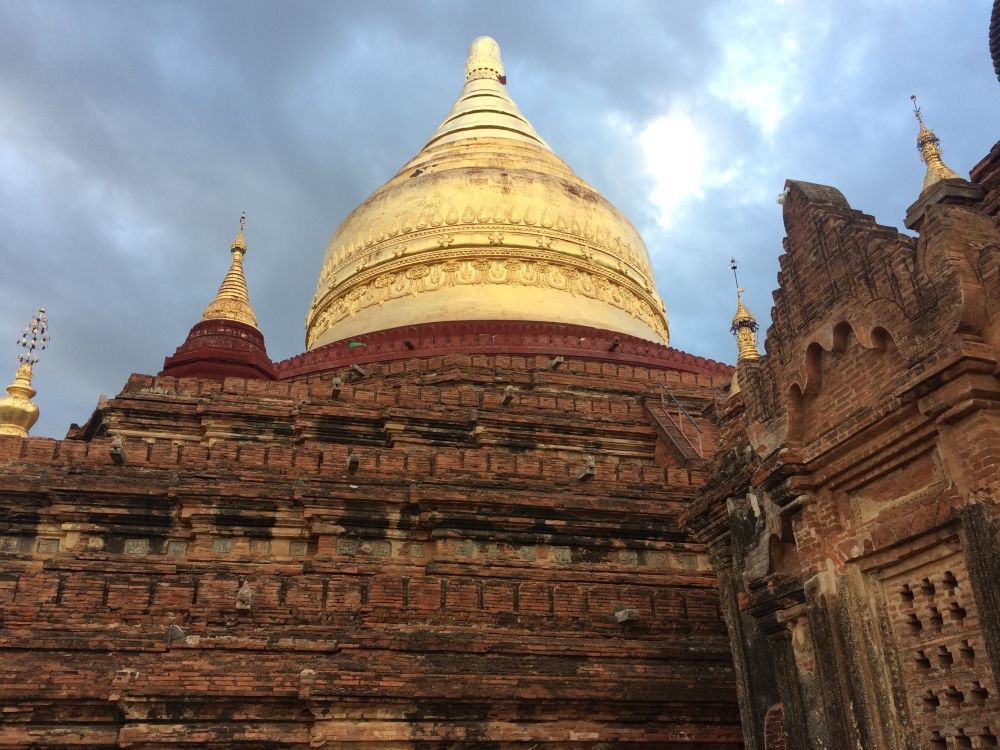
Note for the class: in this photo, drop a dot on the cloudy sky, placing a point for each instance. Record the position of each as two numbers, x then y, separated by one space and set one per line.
132 135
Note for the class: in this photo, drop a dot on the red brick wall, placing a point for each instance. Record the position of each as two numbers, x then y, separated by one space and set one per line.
868 442
457 583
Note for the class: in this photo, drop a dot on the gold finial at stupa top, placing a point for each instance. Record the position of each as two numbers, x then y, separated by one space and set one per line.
928 144
232 301
744 325
18 413
240 243
484 60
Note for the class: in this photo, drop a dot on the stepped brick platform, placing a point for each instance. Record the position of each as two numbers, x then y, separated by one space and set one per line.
465 550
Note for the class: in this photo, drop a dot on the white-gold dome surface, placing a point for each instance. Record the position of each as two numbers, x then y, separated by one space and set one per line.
485 223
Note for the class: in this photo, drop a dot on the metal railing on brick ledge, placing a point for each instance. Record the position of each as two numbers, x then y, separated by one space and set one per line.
676 424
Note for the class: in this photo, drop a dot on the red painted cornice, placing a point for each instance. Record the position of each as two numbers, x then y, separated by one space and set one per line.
495 337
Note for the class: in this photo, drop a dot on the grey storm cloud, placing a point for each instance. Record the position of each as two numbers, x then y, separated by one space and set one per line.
132 135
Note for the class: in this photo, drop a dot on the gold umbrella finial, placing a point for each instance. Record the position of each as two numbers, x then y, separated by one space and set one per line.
18 413
744 325
34 338
240 243
232 301
928 144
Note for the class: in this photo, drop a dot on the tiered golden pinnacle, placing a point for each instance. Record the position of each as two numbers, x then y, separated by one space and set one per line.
744 325
929 146
484 108
232 301
18 413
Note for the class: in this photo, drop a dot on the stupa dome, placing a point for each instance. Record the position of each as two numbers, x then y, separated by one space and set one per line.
485 223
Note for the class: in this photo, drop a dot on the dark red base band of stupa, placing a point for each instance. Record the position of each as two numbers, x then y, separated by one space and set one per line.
220 349
495 337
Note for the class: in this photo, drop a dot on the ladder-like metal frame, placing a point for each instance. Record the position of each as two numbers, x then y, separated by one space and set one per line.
682 419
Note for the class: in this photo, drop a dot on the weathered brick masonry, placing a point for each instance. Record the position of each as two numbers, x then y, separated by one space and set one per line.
410 553
851 513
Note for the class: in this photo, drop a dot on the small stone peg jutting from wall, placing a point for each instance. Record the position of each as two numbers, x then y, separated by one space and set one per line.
18 413
244 597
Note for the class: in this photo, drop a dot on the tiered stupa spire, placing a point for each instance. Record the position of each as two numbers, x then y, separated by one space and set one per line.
18 413
484 108
232 301
928 144
226 341
744 325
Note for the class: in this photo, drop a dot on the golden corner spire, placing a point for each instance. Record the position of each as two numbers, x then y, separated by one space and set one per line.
18 413
232 301
744 325
927 145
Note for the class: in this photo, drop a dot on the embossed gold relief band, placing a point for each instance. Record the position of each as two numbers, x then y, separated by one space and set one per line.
557 226
431 274
517 244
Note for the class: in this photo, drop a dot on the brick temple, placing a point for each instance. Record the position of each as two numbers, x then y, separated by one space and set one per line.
491 507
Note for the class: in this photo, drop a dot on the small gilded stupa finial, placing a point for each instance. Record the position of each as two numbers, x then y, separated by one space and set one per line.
240 242
928 144
744 325
18 413
232 301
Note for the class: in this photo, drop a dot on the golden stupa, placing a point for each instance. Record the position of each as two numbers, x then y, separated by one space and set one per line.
18 413
485 223
232 301
744 327
928 144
